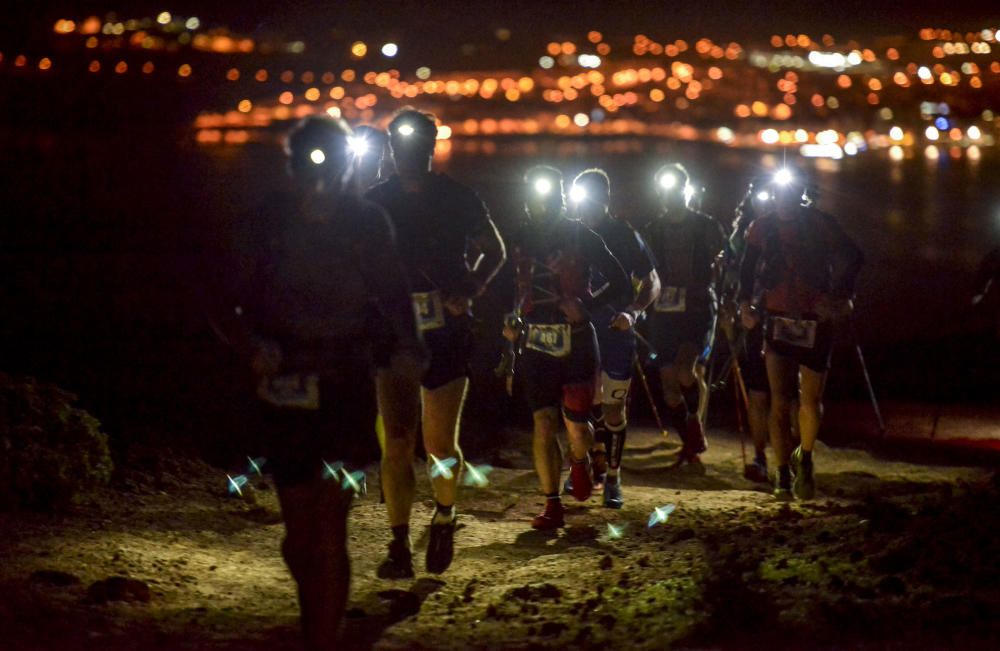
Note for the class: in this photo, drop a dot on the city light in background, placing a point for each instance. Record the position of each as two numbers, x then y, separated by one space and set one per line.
826 98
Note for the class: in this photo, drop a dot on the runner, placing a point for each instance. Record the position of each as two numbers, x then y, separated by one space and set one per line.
451 250
804 266
748 344
685 244
615 336
554 259
316 287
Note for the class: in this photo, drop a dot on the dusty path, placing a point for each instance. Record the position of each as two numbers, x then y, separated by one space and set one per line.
890 554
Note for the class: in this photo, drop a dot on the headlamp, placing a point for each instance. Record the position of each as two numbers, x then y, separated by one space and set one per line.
543 186
577 194
317 156
783 177
763 195
668 181
357 145
405 130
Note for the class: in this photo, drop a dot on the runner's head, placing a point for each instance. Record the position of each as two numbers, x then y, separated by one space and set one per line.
319 153
788 189
673 187
590 196
760 196
543 192
368 146
412 134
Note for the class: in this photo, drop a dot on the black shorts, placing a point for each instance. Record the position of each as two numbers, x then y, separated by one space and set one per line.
668 331
816 358
296 442
450 348
562 381
752 365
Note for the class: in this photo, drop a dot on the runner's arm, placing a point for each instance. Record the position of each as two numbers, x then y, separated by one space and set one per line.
492 255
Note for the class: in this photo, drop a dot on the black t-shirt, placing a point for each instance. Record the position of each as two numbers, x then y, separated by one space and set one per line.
627 246
561 258
318 284
433 230
685 251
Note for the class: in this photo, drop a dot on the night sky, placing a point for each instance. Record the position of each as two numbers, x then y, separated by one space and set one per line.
530 21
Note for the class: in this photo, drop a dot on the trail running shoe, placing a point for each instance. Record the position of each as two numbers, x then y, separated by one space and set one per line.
613 492
582 486
804 485
399 563
553 517
757 472
783 486
441 548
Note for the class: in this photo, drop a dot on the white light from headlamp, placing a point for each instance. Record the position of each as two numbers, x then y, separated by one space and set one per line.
668 181
689 192
783 177
763 195
357 145
543 186
577 194
405 130
317 156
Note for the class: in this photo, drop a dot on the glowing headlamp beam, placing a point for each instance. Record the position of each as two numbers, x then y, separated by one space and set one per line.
357 145
763 195
577 194
668 181
783 177
405 130
543 186
317 156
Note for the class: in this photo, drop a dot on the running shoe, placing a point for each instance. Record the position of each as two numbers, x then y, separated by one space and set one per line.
756 472
553 517
613 492
783 487
441 548
804 485
399 563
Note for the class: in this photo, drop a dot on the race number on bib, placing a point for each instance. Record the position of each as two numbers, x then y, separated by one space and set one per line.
295 391
549 339
801 333
429 310
672 299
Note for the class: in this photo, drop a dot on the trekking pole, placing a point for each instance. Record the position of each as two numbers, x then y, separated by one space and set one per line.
868 380
740 389
645 382
649 395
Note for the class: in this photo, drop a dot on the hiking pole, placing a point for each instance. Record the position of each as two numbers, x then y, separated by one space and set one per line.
645 382
649 395
868 380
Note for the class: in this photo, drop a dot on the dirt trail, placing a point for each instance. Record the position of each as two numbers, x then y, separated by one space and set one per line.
890 554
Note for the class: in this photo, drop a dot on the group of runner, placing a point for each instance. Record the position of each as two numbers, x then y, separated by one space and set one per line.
328 287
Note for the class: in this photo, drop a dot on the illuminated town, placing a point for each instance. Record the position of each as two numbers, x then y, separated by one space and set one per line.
932 93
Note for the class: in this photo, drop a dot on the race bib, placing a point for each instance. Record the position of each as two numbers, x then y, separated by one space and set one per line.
429 310
672 299
295 391
549 339
801 333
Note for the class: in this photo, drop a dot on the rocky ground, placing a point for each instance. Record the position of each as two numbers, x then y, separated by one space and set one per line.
889 555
